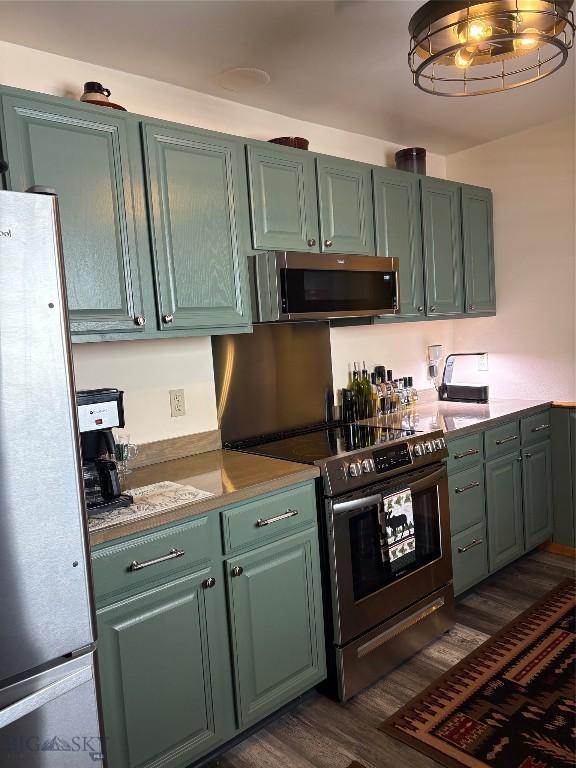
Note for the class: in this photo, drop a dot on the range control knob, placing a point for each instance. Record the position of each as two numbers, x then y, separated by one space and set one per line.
368 465
428 446
437 444
355 469
419 449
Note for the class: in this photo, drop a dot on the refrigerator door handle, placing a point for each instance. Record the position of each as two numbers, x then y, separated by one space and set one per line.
34 701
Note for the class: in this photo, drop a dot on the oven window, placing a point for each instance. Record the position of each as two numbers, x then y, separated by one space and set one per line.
325 290
377 559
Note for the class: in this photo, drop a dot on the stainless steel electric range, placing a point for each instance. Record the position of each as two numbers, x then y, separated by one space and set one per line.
382 498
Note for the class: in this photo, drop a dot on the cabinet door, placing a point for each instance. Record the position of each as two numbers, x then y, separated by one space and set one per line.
504 509
195 183
276 624
479 279
158 657
442 232
83 155
346 207
283 199
537 489
399 233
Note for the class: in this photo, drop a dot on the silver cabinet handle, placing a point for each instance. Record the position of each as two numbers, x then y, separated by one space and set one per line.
519 458
541 427
468 487
237 570
328 243
167 318
311 242
432 309
507 440
172 555
472 307
528 455
473 543
209 583
471 452
140 320
420 309
260 523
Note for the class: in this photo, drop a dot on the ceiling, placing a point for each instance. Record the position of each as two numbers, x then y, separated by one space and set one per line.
341 63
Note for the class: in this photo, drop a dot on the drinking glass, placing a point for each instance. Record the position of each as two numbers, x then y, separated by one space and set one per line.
124 451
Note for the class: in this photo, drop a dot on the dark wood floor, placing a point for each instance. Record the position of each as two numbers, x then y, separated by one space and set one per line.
320 733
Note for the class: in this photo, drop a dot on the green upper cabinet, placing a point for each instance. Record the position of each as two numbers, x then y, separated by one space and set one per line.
345 206
160 675
276 624
83 154
197 187
477 228
504 509
537 489
442 233
283 201
399 233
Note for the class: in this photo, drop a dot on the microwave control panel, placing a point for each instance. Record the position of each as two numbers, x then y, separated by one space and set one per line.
392 457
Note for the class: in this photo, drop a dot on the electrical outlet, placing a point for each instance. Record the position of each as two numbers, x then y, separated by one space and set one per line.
177 402
483 362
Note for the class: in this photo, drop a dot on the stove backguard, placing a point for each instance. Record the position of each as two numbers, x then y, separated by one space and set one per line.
276 379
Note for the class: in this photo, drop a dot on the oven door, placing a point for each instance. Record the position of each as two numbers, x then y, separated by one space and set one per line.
368 586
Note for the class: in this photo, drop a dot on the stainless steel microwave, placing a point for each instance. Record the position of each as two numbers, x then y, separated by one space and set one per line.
317 286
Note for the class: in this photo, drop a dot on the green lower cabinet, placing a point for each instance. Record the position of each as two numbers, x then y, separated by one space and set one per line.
469 557
276 624
564 475
537 489
161 674
504 509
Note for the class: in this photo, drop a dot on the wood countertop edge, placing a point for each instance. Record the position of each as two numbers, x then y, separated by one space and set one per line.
141 525
557 404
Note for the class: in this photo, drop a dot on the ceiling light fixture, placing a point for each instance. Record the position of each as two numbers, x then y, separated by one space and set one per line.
474 47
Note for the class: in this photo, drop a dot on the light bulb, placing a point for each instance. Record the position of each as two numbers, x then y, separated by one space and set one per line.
474 31
526 42
464 57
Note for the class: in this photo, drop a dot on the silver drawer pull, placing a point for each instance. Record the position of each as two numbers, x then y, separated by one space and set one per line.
473 543
471 452
507 440
541 427
260 523
468 487
174 553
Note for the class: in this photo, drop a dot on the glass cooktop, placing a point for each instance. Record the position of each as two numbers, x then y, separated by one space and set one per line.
329 442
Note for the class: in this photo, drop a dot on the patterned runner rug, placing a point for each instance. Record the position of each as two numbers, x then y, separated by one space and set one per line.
508 704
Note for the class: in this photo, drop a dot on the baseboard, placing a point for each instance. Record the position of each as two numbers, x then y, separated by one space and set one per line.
559 549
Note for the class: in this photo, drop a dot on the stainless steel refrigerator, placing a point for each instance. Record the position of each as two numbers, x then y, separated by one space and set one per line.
48 700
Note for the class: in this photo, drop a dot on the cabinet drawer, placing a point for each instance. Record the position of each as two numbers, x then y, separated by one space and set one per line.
250 524
467 498
536 428
136 563
465 452
502 440
469 557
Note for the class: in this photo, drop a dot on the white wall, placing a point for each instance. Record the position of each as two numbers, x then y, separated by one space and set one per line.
146 370
532 340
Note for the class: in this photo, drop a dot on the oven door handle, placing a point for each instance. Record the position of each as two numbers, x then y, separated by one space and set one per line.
427 482
361 501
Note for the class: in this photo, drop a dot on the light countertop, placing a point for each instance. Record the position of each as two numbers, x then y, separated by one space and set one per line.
458 419
230 476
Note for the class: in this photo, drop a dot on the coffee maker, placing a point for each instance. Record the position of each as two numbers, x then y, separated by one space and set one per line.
99 410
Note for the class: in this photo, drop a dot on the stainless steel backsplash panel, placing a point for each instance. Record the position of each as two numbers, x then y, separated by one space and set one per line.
275 379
